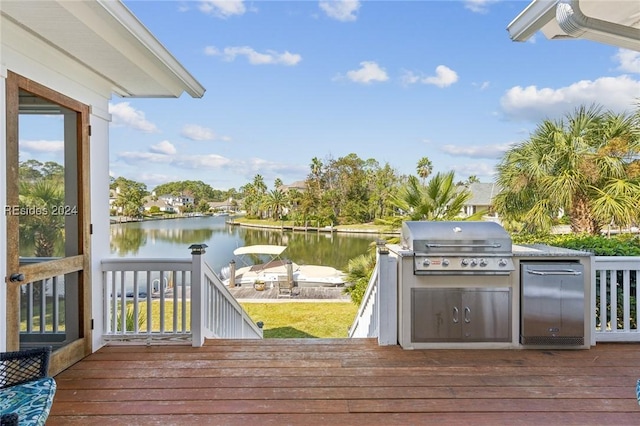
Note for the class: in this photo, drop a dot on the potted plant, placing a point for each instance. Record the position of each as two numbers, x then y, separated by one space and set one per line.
259 285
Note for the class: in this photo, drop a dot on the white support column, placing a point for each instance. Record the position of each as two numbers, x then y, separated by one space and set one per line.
198 301
387 295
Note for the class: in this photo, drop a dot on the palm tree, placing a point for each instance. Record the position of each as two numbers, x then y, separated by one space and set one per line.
316 170
424 168
440 199
43 229
580 165
275 202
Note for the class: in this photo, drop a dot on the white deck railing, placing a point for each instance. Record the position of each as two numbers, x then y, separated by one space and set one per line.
366 321
216 313
146 298
377 315
614 292
170 299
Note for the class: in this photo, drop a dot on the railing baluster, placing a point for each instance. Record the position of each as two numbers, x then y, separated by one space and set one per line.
136 302
30 308
43 307
176 305
149 305
614 299
162 303
55 305
626 301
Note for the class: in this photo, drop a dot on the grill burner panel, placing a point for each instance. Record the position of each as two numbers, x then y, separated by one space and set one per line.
462 265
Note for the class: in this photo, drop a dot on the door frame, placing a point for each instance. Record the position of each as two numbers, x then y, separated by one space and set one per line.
80 263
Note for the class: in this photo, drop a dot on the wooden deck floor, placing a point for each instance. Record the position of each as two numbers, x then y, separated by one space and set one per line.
348 382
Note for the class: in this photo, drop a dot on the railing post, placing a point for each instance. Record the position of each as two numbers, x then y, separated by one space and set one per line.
198 302
387 297
232 273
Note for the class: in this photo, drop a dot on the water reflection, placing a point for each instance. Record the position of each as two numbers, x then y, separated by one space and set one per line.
171 238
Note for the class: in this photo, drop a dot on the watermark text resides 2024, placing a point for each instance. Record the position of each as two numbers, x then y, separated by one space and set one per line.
62 210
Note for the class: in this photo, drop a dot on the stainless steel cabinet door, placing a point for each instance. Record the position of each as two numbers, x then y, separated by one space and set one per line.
446 315
552 300
436 315
486 315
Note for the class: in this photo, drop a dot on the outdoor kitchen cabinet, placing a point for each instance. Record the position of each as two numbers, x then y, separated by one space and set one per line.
461 314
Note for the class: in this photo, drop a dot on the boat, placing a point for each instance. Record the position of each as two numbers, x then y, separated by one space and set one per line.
277 270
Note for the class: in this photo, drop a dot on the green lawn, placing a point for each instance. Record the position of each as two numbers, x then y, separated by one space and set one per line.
281 320
303 319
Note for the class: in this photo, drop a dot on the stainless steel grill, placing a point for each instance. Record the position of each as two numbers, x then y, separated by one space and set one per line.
479 248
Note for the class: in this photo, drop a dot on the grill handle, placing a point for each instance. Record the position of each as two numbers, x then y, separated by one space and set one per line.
554 272
438 245
456 315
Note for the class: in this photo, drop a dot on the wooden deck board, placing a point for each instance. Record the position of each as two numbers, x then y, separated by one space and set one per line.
350 382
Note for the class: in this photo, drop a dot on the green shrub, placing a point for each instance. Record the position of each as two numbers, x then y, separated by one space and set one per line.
618 245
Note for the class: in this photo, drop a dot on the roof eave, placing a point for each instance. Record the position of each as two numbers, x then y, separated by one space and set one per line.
565 20
531 20
129 21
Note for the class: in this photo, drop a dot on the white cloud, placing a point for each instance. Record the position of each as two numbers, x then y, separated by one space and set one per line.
268 169
155 179
369 72
164 147
481 151
270 57
140 158
222 8
478 169
341 10
42 146
124 115
206 162
629 60
197 133
210 161
478 6
444 77
532 104
481 86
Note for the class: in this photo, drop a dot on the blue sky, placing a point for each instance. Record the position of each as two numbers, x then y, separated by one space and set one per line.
391 80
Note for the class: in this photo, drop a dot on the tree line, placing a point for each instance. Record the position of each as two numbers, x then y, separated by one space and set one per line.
583 170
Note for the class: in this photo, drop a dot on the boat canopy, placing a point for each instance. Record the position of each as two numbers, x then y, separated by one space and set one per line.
260 249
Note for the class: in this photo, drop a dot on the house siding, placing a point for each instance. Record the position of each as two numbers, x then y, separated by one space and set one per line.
26 55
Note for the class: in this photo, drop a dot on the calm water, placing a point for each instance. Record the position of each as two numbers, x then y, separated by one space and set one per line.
172 238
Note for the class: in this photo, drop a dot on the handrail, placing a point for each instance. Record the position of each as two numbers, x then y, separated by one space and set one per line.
378 313
366 321
224 316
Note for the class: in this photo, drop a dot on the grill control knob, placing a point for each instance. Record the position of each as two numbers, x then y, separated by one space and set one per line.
502 262
464 262
483 262
426 262
474 262
445 262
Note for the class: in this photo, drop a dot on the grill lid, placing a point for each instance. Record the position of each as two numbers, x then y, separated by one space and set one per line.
425 237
